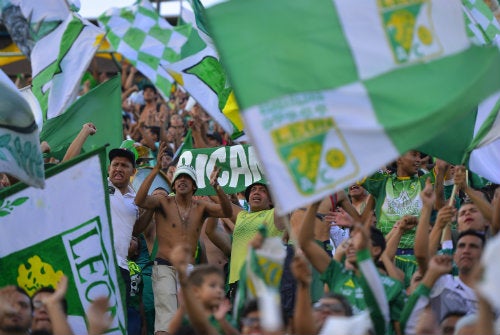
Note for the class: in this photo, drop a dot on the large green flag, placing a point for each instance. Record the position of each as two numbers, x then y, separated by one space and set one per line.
101 106
64 233
333 91
478 145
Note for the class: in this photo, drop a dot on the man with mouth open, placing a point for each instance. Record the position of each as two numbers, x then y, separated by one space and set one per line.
247 223
181 222
125 217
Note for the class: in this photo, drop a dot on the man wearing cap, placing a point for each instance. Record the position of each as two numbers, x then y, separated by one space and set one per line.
247 224
125 216
181 223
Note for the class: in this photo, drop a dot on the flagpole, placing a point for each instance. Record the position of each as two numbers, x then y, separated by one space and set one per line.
452 199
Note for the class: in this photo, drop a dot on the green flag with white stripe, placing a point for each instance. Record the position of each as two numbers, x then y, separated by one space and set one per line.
478 145
333 91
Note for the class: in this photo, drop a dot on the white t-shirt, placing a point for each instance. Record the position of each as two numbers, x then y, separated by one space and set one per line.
450 294
124 213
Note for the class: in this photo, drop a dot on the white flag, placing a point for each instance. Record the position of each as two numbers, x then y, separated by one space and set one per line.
20 154
64 234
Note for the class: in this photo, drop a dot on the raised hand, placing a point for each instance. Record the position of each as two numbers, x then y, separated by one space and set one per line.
301 270
180 256
427 195
89 128
445 216
59 293
98 316
460 178
340 218
214 176
440 265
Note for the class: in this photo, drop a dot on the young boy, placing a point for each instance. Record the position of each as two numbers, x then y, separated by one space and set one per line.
203 297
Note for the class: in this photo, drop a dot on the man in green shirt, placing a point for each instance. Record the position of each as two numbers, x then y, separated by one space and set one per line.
345 278
398 195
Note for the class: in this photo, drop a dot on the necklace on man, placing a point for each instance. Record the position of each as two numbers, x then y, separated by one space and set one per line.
183 217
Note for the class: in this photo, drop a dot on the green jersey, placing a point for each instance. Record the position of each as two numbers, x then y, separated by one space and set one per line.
396 197
346 282
245 229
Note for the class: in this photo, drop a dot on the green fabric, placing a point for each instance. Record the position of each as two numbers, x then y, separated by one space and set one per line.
137 285
247 225
408 264
319 42
396 197
101 106
212 321
345 282
421 292
376 313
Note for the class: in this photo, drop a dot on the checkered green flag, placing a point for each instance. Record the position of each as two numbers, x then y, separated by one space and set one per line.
146 40
481 22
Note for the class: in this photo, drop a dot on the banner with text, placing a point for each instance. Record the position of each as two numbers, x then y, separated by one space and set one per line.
239 165
66 230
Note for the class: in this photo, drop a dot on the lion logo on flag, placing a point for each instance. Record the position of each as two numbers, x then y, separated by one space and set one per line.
409 29
37 274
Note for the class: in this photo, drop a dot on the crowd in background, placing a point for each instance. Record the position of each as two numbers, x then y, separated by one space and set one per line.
404 244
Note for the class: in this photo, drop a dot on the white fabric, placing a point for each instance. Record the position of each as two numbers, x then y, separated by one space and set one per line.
124 213
440 19
339 106
449 293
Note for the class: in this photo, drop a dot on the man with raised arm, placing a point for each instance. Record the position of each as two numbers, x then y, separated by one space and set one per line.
184 217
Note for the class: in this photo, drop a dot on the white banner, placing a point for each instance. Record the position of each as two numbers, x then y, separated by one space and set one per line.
63 229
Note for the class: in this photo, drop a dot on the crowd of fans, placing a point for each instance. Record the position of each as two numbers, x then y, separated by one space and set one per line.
399 245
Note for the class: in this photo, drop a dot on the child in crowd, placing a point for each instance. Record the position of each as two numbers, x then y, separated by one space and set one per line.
203 297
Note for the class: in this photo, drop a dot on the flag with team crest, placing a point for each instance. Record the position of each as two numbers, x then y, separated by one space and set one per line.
64 229
365 82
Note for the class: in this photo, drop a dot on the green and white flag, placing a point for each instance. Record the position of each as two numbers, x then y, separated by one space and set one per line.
64 233
239 167
478 146
260 278
202 75
480 21
102 107
146 40
333 91
20 154
59 60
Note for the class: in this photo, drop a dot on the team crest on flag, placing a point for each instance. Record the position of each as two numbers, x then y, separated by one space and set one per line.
409 30
64 235
311 147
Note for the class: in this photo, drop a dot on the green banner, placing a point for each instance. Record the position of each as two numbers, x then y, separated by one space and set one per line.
239 167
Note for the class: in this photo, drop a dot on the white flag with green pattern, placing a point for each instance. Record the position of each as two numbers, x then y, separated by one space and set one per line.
64 229
145 39
332 92
20 154
201 74
59 60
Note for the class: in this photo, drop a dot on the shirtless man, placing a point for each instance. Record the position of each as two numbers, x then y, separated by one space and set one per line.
184 217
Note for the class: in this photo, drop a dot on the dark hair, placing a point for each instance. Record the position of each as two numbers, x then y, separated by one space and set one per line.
377 238
472 232
251 306
343 301
50 289
155 130
197 276
452 313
